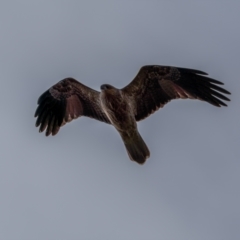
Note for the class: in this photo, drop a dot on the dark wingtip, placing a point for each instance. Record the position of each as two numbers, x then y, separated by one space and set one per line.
43 96
199 72
193 71
227 92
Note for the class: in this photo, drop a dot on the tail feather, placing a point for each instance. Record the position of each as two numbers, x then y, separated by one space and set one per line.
136 148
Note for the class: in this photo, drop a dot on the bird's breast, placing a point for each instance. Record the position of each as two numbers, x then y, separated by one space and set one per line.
117 109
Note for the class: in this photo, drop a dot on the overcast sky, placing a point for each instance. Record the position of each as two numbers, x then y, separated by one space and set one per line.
80 184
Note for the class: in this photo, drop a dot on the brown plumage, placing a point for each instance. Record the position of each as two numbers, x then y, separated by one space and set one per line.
151 89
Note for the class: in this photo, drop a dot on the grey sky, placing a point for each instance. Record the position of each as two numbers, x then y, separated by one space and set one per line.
81 184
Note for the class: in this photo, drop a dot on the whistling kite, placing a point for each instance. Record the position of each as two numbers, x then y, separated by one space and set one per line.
150 90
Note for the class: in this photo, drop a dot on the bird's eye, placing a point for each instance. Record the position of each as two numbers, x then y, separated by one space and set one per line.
104 86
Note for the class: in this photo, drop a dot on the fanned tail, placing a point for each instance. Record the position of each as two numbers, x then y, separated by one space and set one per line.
136 148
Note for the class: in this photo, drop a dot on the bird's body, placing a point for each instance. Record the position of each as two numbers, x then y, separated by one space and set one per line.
150 90
117 108
121 115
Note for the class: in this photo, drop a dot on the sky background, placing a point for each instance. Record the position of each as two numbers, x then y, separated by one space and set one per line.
80 184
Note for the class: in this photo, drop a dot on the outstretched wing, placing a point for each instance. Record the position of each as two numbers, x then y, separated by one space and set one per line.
65 101
154 86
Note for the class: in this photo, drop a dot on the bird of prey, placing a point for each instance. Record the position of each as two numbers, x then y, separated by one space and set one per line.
151 89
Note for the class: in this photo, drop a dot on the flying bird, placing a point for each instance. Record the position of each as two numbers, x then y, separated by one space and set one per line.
151 89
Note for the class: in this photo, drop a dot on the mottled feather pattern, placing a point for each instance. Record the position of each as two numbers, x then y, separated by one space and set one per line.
151 89
155 85
65 101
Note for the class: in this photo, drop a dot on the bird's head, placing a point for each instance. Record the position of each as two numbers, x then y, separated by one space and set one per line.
106 87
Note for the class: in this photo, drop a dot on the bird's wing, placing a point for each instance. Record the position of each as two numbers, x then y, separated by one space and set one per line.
154 86
65 101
